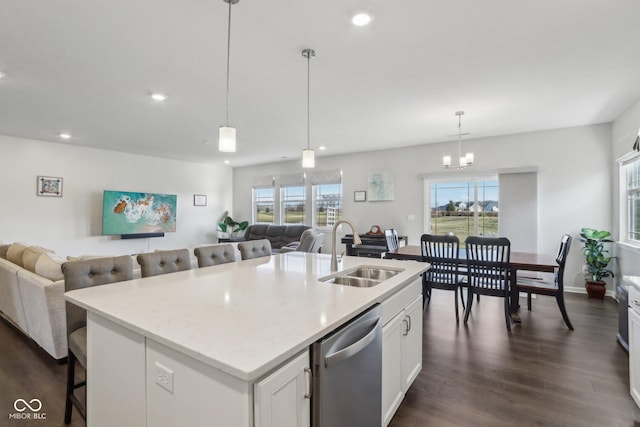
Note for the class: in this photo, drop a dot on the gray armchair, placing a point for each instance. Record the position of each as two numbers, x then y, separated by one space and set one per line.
310 241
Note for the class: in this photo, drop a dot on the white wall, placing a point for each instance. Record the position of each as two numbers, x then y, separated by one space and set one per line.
624 131
72 225
574 182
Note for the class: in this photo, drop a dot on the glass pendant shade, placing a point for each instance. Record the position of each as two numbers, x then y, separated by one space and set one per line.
446 161
468 159
308 158
227 139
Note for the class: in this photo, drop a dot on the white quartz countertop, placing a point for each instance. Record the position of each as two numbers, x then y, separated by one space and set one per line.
247 317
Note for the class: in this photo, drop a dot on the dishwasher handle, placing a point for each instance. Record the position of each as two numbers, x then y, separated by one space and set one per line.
353 349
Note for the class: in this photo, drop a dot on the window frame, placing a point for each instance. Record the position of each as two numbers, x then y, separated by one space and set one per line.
314 204
476 179
624 205
254 191
283 200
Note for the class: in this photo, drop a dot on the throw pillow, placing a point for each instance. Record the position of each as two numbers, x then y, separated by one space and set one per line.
49 265
15 253
31 255
3 251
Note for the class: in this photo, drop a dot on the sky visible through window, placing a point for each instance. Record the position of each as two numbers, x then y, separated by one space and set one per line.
462 191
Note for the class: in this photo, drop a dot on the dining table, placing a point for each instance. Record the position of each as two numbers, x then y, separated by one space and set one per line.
518 261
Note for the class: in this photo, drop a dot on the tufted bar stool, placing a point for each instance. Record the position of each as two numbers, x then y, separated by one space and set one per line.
254 248
78 275
162 262
214 255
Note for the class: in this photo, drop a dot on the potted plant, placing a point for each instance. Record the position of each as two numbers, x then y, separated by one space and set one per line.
597 262
229 228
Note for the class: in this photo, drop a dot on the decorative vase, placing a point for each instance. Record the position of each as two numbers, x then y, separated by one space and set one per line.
595 290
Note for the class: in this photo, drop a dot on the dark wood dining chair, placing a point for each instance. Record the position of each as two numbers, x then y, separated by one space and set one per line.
391 236
443 255
488 271
553 287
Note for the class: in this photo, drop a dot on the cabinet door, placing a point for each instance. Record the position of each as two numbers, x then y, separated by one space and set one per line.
392 357
412 363
282 399
634 355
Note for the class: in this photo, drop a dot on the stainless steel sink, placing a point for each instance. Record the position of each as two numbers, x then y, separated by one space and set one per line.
362 277
357 282
374 273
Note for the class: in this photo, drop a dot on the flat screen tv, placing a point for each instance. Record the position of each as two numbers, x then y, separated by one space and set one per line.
138 214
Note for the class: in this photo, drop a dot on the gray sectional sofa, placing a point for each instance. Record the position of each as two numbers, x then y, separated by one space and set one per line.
278 235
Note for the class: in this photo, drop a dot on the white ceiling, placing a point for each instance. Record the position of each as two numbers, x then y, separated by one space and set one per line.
88 67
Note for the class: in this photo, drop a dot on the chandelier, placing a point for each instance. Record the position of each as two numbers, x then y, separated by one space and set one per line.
464 161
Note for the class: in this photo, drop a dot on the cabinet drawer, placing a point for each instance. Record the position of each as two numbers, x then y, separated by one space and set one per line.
396 302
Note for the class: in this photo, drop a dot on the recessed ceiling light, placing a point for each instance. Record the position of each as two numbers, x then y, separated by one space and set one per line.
2 74
158 96
65 135
322 147
226 162
361 19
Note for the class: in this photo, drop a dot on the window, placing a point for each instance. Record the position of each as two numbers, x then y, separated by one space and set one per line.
263 205
292 201
631 175
327 204
465 208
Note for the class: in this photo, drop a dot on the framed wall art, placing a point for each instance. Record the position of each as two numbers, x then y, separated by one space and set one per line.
359 196
380 187
49 186
199 200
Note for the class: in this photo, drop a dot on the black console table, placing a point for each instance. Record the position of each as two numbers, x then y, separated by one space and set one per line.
373 245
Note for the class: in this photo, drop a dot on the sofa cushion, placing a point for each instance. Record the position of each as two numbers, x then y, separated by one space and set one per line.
30 257
49 266
15 253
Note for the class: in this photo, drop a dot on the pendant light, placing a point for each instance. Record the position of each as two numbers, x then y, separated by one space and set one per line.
308 156
463 161
227 135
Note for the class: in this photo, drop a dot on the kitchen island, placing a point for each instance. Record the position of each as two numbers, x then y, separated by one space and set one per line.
192 348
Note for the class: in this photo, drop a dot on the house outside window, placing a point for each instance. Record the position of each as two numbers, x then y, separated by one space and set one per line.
327 204
263 205
468 207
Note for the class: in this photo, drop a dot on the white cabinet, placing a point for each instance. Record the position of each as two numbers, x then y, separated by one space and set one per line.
401 348
283 398
412 361
392 356
634 345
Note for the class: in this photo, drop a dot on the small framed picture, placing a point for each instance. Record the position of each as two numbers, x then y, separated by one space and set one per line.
49 186
199 200
359 196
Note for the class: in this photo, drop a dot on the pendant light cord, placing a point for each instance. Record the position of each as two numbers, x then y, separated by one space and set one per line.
228 60
308 101
459 137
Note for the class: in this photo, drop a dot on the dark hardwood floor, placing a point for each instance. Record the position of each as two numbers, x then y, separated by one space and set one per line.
540 374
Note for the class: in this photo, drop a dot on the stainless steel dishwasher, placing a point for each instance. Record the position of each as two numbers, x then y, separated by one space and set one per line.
347 374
